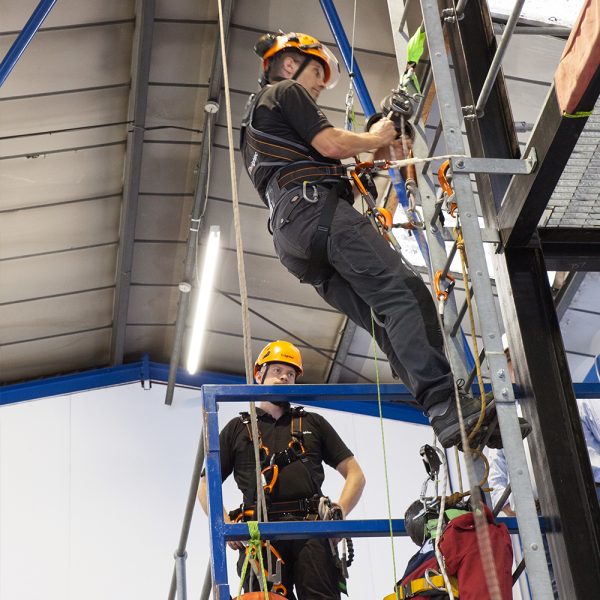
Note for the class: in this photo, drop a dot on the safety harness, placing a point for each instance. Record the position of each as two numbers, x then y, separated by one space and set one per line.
271 466
295 168
294 162
309 509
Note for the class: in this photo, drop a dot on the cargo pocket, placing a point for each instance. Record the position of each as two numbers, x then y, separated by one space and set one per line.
353 250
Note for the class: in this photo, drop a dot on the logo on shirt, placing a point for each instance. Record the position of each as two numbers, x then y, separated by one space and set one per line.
252 163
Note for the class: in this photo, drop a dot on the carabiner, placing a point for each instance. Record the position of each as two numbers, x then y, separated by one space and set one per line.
446 187
315 196
279 588
439 293
384 216
269 485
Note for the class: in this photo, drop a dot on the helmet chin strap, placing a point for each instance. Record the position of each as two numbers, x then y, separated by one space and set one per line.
301 68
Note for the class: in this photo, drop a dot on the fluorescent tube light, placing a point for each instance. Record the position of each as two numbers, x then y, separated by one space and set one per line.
203 299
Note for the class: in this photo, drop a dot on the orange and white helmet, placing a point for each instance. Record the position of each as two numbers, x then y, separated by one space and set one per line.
279 352
271 44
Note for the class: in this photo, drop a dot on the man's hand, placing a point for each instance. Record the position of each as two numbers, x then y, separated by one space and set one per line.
234 545
508 511
385 131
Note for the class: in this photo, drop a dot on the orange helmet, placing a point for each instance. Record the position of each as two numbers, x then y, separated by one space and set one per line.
279 352
271 44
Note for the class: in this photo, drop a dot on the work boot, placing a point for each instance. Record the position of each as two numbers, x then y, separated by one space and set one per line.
447 427
490 435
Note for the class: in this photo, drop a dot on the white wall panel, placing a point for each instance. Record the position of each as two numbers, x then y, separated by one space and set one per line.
35 501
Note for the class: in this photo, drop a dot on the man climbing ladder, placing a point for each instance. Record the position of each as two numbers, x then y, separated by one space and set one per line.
292 154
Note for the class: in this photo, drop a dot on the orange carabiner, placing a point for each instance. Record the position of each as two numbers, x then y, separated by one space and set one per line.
279 588
443 178
446 187
384 216
439 293
296 445
359 184
268 486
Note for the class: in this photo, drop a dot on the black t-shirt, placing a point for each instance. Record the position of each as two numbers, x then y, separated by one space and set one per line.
300 479
286 110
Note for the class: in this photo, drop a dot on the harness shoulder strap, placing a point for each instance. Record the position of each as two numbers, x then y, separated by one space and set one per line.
247 116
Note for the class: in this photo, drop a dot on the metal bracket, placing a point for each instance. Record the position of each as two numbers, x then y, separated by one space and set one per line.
469 113
509 166
450 15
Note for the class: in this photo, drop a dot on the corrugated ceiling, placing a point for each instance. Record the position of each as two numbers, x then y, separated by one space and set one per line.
66 134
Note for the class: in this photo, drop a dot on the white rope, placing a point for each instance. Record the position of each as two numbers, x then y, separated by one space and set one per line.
261 511
405 162
438 533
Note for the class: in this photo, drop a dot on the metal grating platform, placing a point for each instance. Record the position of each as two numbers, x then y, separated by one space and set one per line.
576 198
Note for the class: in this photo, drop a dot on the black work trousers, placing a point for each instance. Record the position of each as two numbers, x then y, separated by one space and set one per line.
362 273
308 569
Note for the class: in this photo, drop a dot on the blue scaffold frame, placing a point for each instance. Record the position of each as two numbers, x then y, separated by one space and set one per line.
332 396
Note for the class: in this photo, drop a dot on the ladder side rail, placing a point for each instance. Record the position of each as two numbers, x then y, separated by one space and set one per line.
435 241
490 325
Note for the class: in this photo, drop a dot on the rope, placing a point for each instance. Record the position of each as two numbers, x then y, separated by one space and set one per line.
254 548
385 467
481 529
260 497
460 245
438 534
405 162
458 469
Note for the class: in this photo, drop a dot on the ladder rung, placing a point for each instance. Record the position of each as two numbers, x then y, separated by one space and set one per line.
461 314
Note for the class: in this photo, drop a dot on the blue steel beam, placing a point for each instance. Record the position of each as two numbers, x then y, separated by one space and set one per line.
18 47
289 530
139 371
347 55
397 403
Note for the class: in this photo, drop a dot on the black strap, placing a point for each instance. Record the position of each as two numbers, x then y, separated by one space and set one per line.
275 510
318 248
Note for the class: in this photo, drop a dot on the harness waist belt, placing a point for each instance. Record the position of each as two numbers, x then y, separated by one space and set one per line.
311 172
277 510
